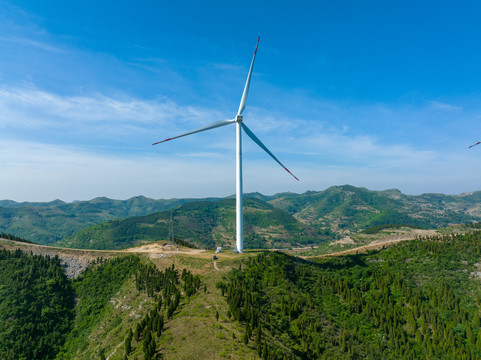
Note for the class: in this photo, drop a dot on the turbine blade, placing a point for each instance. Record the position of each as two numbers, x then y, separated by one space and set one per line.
204 128
479 142
258 142
248 83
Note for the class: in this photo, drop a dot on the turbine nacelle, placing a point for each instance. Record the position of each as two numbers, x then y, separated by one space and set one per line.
238 118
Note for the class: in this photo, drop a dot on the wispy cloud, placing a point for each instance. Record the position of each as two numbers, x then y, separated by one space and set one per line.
365 150
87 108
28 42
445 106
318 152
30 109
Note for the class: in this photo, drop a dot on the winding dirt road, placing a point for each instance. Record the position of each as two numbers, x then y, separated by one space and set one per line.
76 260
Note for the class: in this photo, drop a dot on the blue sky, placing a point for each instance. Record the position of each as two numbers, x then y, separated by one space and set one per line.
377 94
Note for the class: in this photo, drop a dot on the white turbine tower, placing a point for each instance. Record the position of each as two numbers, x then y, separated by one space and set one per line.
239 127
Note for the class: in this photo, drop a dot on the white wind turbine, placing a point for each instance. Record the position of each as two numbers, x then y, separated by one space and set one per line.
239 127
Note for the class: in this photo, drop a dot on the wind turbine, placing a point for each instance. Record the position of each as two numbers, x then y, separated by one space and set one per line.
238 120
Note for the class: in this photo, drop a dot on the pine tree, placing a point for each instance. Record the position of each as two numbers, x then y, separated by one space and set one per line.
137 332
160 324
128 346
478 341
258 337
265 352
102 354
476 320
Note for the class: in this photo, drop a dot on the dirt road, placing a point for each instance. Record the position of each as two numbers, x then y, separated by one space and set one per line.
76 260
379 244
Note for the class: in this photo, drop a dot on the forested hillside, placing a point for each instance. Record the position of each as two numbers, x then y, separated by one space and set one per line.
44 315
337 210
206 224
48 222
36 306
150 295
418 300
348 209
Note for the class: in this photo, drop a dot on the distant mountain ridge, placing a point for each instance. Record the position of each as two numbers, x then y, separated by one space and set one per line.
347 208
49 222
204 223
337 211
14 204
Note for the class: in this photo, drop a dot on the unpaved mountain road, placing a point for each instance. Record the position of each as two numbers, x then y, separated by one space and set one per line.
364 248
379 244
76 260
148 248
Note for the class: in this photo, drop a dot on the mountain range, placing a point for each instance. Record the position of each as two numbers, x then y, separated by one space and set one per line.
285 219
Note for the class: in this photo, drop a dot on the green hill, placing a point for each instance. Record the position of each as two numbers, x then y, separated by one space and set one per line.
416 300
36 306
47 223
206 224
347 209
337 210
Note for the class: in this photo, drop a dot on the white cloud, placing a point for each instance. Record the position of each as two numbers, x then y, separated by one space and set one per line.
321 154
23 41
445 106
365 150
87 108
30 113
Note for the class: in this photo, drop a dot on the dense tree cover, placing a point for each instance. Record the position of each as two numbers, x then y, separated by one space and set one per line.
205 223
49 222
184 243
424 221
472 226
36 306
418 300
44 315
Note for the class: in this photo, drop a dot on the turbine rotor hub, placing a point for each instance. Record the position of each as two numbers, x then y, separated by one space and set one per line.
238 118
